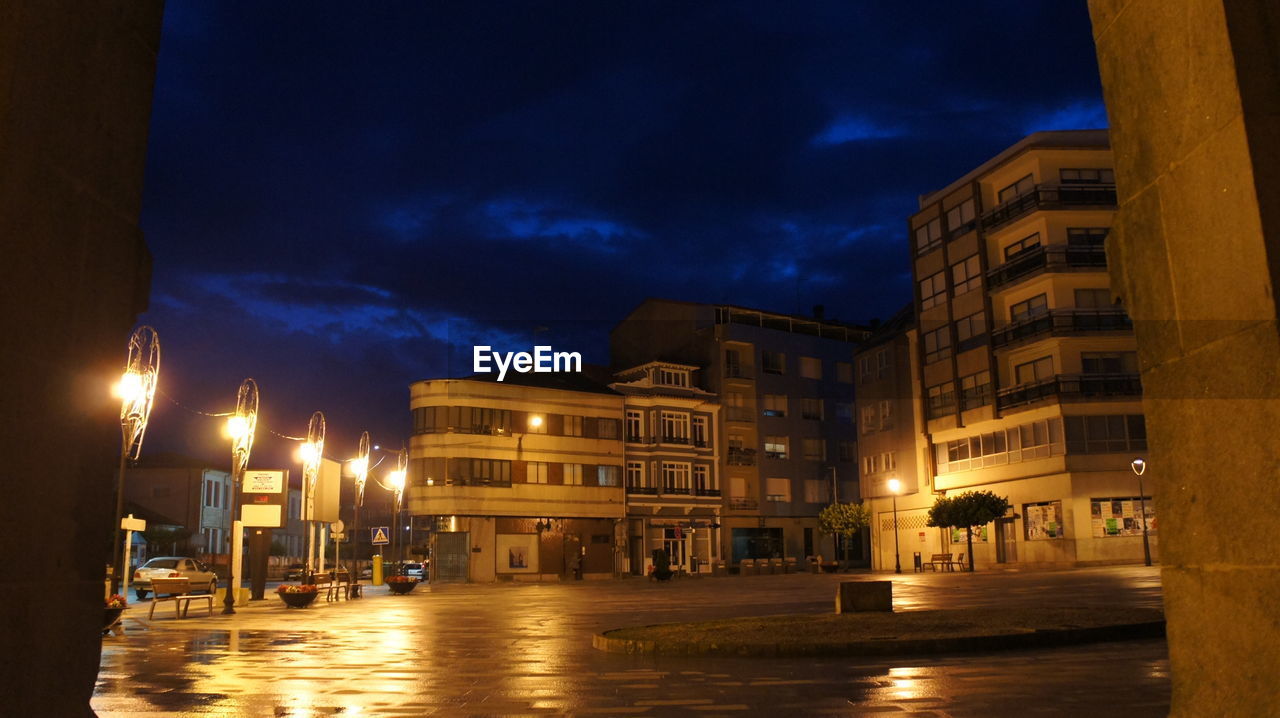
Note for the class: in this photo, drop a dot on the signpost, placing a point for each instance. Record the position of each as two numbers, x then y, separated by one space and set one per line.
264 497
379 535
129 525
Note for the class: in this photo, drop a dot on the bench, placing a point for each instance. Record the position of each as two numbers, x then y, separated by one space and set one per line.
939 561
959 564
335 584
177 590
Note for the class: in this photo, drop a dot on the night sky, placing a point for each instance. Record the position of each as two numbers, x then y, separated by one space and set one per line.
334 195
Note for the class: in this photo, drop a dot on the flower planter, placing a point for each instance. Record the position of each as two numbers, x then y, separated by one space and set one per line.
111 616
401 587
298 599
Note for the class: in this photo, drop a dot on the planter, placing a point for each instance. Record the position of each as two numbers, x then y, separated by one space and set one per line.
401 587
298 600
111 617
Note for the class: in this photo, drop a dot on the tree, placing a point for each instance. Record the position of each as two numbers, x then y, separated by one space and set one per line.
846 520
968 511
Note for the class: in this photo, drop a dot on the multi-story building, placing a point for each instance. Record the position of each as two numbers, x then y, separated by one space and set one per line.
672 467
1029 375
520 479
785 385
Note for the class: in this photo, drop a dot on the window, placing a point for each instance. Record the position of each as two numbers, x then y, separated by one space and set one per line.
733 363
864 370
536 472
773 362
1093 298
573 474
1043 520
869 423
736 441
775 404
960 217
815 491
868 465
635 426
937 345
882 363
672 377
607 475
848 450
1086 176
975 389
735 403
479 472
607 428
814 449
573 426
933 290
1105 434
1033 371
1026 442
811 409
675 427
810 367
844 412
966 275
1087 236
1032 307
1017 189
635 474
889 460
1109 362
777 490
844 372
970 329
1122 516
941 399
1025 244
701 480
775 447
700 432
886 414
928 236
675 477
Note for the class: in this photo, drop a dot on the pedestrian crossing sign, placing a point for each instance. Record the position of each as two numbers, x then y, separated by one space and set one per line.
379 534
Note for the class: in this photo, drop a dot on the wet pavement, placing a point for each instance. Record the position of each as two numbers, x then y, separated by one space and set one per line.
525 649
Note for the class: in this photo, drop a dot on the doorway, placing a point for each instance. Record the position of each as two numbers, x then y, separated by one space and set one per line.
453 551
1006 541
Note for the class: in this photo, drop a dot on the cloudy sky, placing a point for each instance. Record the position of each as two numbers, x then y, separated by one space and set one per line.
337 193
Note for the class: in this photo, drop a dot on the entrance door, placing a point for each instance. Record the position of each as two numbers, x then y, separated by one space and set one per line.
677 548
637 555
453 551
1006 541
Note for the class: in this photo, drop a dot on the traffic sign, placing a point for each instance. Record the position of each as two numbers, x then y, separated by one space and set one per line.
132 524
379 534
337 526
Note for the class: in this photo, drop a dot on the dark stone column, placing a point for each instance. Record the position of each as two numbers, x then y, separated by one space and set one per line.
1193 95
76 81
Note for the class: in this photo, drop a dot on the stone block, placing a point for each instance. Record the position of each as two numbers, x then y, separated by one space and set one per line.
854 596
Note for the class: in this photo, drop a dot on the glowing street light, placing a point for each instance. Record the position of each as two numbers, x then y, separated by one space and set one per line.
240 428
1140 467
136 391
895 487
360 468
396 479
310 454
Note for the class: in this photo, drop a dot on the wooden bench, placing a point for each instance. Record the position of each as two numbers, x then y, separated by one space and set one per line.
939 561
335 584
959 564
177 590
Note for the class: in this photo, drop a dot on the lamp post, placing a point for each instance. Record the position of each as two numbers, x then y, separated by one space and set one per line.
396 479
240 429
311 453
1140 467
895 487
359 467
136 391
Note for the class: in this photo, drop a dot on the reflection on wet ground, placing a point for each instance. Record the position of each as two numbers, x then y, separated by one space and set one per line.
472 650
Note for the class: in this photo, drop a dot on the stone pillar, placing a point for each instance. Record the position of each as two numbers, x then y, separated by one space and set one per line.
1193 95
76 81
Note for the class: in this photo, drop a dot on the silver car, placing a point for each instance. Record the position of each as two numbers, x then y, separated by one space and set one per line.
201 575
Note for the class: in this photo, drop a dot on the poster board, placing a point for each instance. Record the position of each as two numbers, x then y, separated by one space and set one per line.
263 497
517 553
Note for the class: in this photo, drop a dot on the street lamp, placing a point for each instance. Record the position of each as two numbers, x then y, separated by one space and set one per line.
1139 467
895 487
136 391
310 453
240 429
396 479
360 468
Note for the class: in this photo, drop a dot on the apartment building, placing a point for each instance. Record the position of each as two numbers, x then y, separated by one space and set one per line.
672 467
519 479
785 386
1028 370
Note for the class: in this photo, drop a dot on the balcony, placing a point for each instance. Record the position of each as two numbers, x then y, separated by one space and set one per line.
636 439
1060 322
707 492
1071 387
1047 196
941 405
743 504
681 440
742 457
737 372
1053 258
676 491
738 413
643 490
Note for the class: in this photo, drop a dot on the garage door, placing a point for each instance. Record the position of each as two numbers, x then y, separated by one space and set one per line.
453 550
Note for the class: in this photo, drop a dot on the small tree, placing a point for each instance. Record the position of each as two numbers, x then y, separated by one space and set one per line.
968 511
846 520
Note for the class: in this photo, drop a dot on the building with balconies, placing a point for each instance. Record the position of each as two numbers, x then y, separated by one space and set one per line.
1028 369
786 430
519 479
672 467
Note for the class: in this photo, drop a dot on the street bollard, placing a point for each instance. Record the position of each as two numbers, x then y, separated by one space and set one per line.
377 570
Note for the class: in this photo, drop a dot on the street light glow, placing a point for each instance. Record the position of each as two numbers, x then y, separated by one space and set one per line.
236 427
895 486
396 479
306 453
128 388
1138 466
535 421
359 466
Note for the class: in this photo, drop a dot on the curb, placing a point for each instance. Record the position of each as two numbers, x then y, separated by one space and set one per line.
892 647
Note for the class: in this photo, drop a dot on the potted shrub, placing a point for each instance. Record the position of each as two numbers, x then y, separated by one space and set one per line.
112 611
401 584
297 596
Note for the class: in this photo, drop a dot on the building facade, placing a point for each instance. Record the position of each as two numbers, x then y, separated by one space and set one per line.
785 386
672 467
518 480
1028 370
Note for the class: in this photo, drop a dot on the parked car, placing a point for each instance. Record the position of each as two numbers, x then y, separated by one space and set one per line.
413 569
201 575
295 572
